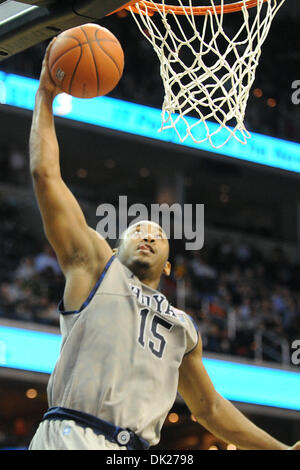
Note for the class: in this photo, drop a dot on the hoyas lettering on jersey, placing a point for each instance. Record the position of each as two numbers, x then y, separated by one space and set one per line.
157 302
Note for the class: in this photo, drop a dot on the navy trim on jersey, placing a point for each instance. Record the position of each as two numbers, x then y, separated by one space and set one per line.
91 295
99 426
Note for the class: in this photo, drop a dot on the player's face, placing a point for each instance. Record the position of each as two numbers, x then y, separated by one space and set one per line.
145 247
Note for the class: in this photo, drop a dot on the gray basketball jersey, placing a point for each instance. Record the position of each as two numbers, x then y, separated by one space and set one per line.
121 352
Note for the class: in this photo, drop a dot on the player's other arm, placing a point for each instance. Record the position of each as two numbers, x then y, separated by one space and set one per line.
65 227
216 413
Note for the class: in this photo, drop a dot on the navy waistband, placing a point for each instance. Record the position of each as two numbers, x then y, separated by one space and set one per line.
121 436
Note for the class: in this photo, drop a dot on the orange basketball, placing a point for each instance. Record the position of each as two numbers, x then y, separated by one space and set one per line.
86 61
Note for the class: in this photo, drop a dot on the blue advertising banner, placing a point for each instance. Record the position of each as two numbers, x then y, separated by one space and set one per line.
38 351
146 121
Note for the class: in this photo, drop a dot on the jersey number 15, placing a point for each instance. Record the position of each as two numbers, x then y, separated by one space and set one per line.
159 348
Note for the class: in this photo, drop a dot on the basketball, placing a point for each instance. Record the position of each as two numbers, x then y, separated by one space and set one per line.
86 61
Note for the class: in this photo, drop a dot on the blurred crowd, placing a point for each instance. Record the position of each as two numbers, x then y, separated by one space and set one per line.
31 281
232 290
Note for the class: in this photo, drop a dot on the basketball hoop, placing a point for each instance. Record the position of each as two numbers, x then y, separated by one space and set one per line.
196 11
208 61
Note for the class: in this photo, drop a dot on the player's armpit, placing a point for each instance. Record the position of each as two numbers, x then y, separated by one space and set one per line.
195 386
65 226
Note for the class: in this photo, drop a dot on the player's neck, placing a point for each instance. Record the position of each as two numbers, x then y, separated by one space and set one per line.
153 283
145 276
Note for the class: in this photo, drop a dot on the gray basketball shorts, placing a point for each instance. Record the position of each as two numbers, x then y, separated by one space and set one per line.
56 434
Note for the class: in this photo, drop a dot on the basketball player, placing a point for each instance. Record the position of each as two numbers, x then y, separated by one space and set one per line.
125 350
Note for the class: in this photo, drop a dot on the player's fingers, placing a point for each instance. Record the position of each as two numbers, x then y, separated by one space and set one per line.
46 80
50 45
47 52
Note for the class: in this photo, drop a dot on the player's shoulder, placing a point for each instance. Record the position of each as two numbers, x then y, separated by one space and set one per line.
191 327
186 318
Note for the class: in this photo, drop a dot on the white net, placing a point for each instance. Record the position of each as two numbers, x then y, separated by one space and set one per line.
207 64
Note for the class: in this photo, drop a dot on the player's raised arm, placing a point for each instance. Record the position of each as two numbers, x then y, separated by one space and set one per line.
217 414
73 241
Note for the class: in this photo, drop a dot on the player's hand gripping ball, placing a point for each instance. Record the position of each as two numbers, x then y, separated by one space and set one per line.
86 61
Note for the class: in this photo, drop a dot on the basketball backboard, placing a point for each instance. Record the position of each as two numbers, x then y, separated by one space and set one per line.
24 24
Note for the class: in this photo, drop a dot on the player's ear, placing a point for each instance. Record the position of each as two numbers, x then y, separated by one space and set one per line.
167 268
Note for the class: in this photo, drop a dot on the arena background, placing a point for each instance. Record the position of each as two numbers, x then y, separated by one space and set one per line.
243 286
